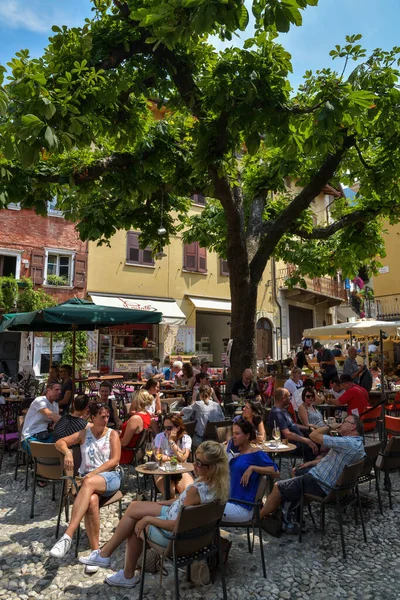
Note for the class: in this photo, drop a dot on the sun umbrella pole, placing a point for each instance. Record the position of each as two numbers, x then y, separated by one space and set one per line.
73 354
51 350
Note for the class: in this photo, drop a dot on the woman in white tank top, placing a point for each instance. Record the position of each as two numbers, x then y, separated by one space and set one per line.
100 454
212 483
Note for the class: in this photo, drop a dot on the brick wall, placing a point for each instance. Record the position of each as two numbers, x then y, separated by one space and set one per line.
25 231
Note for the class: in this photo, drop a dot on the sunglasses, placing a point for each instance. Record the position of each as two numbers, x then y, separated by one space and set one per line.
309 396
168 428
200 464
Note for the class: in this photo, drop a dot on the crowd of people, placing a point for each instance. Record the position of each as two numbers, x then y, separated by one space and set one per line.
229 473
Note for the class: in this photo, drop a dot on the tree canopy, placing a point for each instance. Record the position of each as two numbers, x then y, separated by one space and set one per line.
125 117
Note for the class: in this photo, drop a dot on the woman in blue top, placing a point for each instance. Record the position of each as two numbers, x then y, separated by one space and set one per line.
245 470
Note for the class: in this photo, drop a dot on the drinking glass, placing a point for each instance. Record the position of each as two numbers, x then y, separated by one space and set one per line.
276 434
149 450
159 456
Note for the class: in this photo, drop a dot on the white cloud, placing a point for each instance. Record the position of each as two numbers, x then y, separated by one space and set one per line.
38 17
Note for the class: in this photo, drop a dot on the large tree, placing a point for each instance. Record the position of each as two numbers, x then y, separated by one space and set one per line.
79 123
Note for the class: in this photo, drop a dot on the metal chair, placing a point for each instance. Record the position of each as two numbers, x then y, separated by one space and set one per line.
210 431
195 537
388 461
8 428
21 456
224 433
255 522
370 472
341 496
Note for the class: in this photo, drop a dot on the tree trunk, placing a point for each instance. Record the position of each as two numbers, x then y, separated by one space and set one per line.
243 326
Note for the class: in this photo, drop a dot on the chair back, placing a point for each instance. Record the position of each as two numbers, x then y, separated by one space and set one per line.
347 481
392 425
224 433
190 427
47 459
210 431
195 528
371 454
391 455
261 490
370 420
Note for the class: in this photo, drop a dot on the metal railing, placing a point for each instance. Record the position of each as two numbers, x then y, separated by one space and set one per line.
387 307
326 286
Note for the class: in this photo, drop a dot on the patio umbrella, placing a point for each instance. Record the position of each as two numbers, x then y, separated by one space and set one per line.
359 329
76 315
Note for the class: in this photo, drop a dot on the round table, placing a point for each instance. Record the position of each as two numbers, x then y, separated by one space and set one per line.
187 468
281 449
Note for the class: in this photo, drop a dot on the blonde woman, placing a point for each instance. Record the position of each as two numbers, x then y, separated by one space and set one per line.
212 483
202 411
139 419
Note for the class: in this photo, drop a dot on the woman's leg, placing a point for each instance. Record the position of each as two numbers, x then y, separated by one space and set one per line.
133 550
126 526
159 481
89 487
183 483
92 522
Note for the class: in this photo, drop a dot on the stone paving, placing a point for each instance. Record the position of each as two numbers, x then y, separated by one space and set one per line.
312 570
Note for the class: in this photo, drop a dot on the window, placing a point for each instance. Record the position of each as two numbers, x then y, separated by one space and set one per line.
14 206
10 263
136 255
224 267
194 258
58 267
52 210
198 199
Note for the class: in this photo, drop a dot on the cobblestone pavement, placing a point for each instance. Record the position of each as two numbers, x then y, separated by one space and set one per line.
312 570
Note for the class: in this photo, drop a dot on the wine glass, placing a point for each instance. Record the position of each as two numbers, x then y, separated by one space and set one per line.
276 434
159 456
149 450
338 416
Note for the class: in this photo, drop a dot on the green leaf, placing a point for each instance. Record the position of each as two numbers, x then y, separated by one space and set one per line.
242 17
28 154
50 138
281 21
31 121
253 143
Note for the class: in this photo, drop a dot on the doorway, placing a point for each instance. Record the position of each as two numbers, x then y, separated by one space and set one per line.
8 265
264 338
299 319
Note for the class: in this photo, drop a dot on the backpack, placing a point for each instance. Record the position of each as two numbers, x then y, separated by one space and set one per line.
366 380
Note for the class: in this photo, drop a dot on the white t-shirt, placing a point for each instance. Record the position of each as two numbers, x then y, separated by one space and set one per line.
35 421
161 441
293 389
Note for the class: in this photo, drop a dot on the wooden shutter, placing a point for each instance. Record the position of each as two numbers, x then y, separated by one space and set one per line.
80 271
146 256
132 247
224 267
37 266
202 258
199 199
190 256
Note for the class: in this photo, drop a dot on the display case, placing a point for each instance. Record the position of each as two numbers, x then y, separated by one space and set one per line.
127 350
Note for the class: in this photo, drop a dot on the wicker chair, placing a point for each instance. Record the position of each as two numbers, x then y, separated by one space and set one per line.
388 461
47 467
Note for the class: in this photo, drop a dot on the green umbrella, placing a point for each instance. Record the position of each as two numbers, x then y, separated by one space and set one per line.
73 315
76 314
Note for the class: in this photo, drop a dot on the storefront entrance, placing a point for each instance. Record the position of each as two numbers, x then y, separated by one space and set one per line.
212 334
299 319
264 338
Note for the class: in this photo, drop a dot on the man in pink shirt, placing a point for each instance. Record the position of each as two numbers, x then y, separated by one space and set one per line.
355 397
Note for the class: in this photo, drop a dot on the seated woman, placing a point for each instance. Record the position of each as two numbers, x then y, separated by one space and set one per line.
187 376
54 374
212 484
201 379
132 428
308 414
245 470
105 391
154 409
100 451
254 413
202 411
174 441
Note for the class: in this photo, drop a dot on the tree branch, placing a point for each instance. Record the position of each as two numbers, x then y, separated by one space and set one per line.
360 156
274 230
323 233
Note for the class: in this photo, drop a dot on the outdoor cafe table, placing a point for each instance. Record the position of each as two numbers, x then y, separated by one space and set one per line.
271 447
174 391
375 396
328 410
184 468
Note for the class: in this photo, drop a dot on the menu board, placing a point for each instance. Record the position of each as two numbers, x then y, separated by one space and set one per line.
185 339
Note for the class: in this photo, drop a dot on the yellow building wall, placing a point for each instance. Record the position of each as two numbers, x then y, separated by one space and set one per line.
109 273
389 283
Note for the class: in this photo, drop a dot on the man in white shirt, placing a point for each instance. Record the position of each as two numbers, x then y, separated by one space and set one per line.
42 412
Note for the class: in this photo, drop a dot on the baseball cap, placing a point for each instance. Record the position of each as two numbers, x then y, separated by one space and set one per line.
317 345
345 378
204 361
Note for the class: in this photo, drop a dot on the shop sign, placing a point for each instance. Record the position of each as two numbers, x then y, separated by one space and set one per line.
134 305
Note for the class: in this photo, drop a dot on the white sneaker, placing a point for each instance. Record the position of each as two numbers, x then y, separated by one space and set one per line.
95 560
60 549
90 569
119 580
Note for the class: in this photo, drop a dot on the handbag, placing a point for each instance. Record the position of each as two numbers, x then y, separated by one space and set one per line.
272 523
200 573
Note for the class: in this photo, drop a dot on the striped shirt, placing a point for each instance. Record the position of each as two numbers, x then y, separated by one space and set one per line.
68 425
343 451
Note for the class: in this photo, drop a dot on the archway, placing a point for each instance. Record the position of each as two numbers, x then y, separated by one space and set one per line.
264 338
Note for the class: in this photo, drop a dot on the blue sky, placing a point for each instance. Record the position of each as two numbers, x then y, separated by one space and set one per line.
27 24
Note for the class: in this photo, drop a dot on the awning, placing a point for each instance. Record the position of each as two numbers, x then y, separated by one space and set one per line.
211 304
172 314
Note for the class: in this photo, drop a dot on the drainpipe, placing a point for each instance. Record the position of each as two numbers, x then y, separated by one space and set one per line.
275 295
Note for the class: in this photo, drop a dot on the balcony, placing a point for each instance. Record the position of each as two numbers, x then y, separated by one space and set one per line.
387 308
319 289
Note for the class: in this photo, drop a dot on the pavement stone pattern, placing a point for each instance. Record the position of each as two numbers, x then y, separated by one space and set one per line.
313 570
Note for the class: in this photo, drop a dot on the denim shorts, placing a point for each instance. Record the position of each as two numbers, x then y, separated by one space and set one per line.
113 482
160 536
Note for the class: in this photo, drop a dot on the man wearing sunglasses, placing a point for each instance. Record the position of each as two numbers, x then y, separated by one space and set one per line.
318 474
